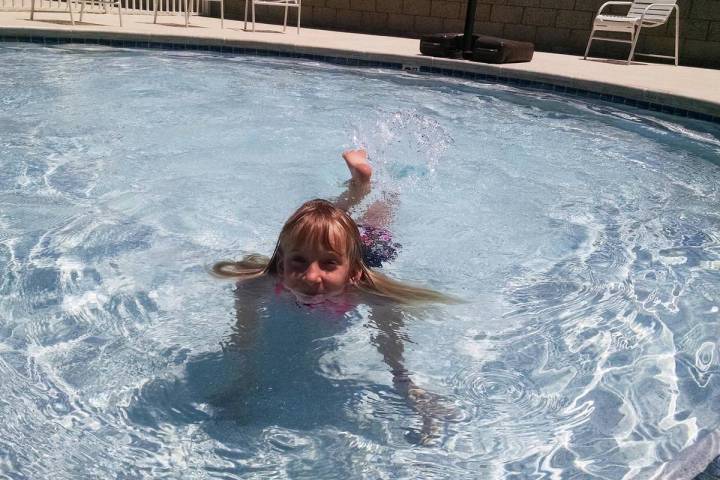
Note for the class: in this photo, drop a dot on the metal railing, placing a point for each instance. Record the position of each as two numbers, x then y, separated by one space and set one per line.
165 7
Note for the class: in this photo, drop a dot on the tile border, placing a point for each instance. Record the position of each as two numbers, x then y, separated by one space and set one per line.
658 101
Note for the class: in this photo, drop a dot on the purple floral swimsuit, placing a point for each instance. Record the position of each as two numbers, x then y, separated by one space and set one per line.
378 246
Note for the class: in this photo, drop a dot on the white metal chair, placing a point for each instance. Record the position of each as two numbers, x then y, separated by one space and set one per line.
276 3
642 13
104 3
156 3
187 5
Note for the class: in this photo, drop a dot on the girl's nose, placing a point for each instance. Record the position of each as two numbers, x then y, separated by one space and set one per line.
312 274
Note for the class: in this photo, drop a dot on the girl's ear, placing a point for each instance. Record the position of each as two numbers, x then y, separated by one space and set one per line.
355 277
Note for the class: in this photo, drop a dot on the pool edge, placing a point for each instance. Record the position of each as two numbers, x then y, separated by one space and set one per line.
645 99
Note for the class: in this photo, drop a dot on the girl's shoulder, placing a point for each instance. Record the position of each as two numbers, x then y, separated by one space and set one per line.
255 286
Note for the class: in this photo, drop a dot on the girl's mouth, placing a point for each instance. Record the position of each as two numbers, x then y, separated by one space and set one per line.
306 299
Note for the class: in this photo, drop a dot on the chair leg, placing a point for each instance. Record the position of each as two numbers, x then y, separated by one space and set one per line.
633 38
32 9
287 6
246 5
187 14
82 7
155 7
72 20
298 19
677 32
587 49
222 14
119 5
253 15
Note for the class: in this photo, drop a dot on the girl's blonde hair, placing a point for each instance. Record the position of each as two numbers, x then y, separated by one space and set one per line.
320 222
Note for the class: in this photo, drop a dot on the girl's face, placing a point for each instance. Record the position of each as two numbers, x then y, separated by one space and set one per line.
314 273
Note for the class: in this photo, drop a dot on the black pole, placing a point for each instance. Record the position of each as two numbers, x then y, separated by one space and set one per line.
469 25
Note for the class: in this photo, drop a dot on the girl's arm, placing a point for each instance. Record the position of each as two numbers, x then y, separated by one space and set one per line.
390 343
245 333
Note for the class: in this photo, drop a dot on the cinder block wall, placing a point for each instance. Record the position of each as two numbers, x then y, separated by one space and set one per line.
561 26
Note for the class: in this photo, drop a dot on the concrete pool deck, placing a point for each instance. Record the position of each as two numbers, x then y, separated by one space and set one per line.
686 89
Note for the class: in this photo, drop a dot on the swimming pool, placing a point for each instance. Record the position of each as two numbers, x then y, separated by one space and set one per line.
585 238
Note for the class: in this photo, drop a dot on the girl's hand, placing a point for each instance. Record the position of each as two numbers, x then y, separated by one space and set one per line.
433 410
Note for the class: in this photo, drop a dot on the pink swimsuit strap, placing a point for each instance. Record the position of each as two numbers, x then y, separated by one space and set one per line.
339 308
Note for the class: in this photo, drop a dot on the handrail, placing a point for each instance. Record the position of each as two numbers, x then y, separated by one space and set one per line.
167 7
613 2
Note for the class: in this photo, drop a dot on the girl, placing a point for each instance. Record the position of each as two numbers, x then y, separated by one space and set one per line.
324 260
322 253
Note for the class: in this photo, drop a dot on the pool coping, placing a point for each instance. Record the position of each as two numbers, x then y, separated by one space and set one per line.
646 99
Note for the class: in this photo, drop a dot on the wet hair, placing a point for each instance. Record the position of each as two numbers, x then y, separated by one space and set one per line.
319 222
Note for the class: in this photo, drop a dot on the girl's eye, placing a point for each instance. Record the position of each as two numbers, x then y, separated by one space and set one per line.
297 260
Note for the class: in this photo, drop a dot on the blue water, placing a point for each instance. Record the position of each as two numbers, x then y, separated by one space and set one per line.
585 239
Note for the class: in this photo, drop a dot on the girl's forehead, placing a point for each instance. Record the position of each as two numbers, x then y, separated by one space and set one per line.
317 241
315 251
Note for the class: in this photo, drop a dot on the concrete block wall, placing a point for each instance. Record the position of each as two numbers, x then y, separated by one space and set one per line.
561 26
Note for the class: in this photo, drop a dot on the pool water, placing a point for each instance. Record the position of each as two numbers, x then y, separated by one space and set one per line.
583 237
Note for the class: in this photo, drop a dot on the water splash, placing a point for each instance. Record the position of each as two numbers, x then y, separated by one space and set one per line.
404 146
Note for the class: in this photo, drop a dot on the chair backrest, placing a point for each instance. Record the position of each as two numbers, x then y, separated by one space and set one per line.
657 15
